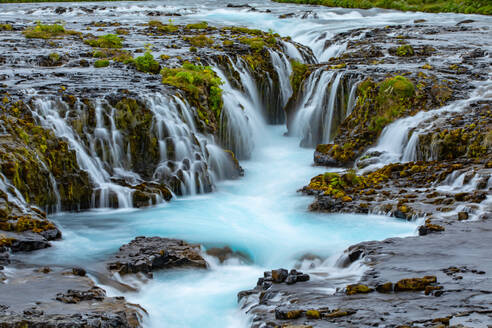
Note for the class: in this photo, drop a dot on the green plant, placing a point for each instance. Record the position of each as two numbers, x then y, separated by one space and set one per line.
147 64
106 41
299 71
167 28
197 80
41 31
6 27
199 40
101 63
197 26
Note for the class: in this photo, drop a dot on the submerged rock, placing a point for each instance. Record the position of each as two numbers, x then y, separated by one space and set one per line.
147 254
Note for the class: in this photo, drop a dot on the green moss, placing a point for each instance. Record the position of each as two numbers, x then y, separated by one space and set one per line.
165 28
6 27
299 73
101 63
405 50
398 86
41 31
198 80
244 30
483 7
54 57
147 64
255 44
197 26
122 31
106 41
199 40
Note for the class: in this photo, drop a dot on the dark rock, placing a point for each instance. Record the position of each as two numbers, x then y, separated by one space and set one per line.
76 296
279 275
79 271
400 215
146 254
287 314
302 277
291 279
226 253
466 21
384 288
463 216
266 285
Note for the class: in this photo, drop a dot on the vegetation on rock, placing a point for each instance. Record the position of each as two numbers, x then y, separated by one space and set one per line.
41 31
483 7
147 64
101 63
105 41
198 81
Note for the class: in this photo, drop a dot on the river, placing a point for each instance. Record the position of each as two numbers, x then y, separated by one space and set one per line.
260 215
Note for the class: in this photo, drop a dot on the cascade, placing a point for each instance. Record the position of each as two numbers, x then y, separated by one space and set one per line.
399 140
241 122
327 97
284 70
113 164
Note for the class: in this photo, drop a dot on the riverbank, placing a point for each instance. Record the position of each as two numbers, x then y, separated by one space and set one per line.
481 7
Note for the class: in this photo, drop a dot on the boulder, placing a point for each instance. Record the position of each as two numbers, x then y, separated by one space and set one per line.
147 254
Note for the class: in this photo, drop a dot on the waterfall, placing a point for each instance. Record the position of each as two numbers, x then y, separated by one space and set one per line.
47 112
284 70
313 121
352 99
242 123
187 160
399 140
328 117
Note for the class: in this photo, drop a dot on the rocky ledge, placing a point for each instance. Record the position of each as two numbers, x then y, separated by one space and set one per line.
56 297
146 254
424 281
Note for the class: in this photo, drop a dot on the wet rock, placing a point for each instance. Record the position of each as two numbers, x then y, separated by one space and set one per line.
226 253
357 289
313 314
466 21
79 271
463 216
414 284
279 275
288 314
340 313
385 288
147 254
291 279
61 301
77 296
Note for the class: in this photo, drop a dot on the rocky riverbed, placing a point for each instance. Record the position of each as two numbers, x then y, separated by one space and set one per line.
129 112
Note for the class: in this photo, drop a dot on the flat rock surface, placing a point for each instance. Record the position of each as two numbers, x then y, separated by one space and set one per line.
458 258
55 297
146 254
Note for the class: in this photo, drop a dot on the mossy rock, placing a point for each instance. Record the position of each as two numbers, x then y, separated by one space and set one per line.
358 289
414 284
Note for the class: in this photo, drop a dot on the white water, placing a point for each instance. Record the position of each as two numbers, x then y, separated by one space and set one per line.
313 121
394 142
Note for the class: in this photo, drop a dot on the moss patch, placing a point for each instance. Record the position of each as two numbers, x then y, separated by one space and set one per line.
196 81
41 31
